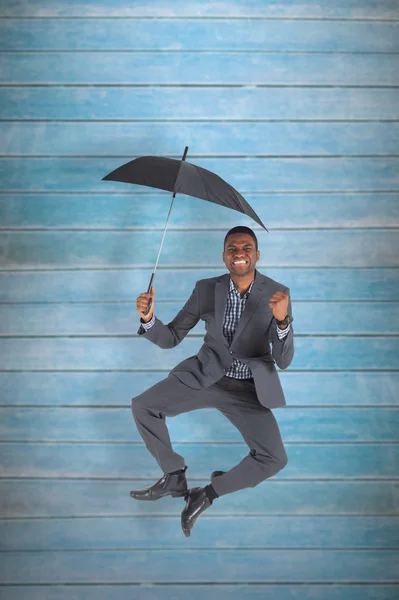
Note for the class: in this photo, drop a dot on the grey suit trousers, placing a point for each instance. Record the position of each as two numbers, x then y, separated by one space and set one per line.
234 398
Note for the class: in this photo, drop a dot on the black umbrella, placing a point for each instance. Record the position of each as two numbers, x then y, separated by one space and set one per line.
179 176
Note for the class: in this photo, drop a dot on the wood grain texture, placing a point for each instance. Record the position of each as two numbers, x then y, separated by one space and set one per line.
109 389
308 284
114 353
90 497
204 426
210 103
225 139
122 249
124 566
247 175
239 68
148 211
113 460
318 9
232 533
374 318
194 34
197 592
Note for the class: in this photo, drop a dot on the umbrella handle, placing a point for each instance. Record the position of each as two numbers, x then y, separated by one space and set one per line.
147 310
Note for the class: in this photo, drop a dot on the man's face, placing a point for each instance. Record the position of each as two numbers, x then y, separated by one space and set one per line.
240 247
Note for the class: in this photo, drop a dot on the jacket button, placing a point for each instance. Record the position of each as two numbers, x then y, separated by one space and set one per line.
231 352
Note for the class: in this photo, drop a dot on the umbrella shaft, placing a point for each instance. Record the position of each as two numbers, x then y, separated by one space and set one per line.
163 237
166 224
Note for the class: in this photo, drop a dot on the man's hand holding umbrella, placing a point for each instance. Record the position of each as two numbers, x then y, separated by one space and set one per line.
142 305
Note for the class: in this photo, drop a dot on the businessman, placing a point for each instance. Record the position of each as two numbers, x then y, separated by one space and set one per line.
244 312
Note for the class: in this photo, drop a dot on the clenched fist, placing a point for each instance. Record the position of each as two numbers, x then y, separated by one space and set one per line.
142 304
279 303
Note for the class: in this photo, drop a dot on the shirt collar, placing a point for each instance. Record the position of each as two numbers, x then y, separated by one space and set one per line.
232 288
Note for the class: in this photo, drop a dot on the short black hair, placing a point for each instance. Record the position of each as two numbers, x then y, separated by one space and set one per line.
241 229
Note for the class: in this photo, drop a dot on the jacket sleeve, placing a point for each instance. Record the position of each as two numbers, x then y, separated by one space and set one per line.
282 350
170 335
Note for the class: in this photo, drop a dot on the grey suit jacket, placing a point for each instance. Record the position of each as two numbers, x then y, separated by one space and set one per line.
256 330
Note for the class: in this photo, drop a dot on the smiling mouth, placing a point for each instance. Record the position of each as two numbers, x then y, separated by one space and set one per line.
240 264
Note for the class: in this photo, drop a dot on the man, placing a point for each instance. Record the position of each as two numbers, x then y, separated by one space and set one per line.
244 311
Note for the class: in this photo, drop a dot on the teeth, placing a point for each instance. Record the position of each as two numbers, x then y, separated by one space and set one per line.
240 262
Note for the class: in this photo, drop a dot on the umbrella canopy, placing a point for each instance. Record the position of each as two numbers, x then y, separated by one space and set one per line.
181 177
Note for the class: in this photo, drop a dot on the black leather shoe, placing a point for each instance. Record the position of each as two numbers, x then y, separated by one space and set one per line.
196 502
169 485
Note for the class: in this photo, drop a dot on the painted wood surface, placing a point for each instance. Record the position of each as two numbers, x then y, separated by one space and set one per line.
160 68
228 139
120 319
123 566
114 460
293 174
318 9
33 497
194 34
109 424
229 533
121 284
48 249
217 103
197 591
126 352
140 211
341 389
293 102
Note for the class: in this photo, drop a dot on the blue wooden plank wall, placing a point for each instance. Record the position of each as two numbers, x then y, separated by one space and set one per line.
296 103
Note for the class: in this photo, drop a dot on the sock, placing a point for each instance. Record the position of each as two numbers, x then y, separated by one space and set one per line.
178 471
210 492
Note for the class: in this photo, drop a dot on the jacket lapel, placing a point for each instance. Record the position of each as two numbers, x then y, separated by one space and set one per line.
221 291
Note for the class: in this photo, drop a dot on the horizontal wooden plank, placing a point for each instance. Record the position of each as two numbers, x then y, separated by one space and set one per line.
117 389
197 591
354 9
110 353
206 425
208 103
239 566
210 68
230 532
226 139
377 318
24 498
196 34
126 461
122 211
121 285
247 175
99 249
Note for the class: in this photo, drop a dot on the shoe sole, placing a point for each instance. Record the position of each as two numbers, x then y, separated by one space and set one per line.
174 495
